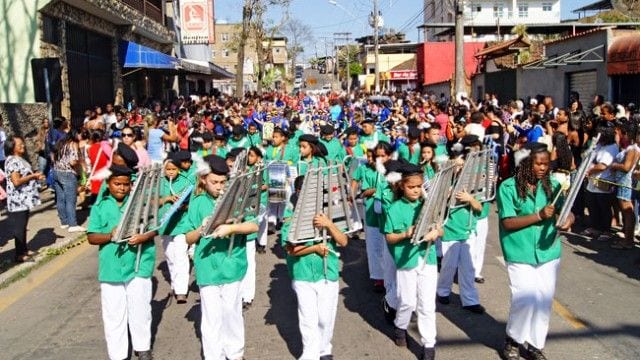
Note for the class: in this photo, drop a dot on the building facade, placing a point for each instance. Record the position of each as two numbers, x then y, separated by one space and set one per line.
490 13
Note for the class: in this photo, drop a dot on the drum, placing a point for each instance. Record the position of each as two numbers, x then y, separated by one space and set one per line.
278 183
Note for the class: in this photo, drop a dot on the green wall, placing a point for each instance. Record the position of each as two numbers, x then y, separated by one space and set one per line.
19 43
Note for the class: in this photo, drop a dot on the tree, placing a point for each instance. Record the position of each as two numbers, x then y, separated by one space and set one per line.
524 54
297 34
253 25
627 7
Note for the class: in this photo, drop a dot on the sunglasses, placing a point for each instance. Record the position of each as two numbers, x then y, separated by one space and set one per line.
127 135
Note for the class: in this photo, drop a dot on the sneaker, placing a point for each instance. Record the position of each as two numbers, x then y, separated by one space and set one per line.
145 355
181 299
261 249
246 305
76 229
479 280
511 350
326 357
429 353
389 312
64 226
534 353
444 300
400 337
476 309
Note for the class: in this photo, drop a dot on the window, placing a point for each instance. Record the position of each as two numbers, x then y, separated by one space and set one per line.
50 30
523 10
547 6
213 53
225 37
476 8
498 10
226 52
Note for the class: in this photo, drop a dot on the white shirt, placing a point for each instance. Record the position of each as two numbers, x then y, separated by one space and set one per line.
3 138
604 155
109 119
475 129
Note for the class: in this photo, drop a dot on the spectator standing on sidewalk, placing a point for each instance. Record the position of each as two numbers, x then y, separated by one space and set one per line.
3 138
67 167
22 194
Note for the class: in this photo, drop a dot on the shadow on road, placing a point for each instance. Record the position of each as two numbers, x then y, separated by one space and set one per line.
283 309
157 309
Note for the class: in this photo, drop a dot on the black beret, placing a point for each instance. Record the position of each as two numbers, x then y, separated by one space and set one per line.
469 140
428 144
407 169
238 130
217 164
173 158
183 155
350 131
309 138
120 170
279 130
128 155
535 147
208 137
327 129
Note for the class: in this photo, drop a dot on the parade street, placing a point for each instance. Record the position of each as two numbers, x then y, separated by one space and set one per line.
54 313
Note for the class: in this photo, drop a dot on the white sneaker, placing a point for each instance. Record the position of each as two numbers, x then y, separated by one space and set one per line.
77 229
64 226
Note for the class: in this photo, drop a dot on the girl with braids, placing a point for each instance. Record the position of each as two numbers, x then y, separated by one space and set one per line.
528 238
562 163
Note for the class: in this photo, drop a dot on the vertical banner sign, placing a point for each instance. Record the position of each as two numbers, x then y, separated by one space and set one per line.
197 21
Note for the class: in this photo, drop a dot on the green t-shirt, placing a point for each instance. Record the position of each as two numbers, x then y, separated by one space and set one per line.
309 267
335 149
460 223
222 151
368 178
428 172
255 139
384 196
280 153
303 165
404 152
116 262
486 208
358 151
373 138
536 243
401 215
242 143
178 219
212 263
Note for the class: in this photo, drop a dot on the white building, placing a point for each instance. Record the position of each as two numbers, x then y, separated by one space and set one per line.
490 13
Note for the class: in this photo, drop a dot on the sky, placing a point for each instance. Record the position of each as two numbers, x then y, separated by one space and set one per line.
324 19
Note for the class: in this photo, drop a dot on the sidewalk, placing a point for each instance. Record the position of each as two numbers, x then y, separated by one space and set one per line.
44 235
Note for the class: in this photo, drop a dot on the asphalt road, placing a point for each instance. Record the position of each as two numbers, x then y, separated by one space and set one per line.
55 312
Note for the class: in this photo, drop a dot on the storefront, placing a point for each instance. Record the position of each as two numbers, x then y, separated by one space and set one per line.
623 67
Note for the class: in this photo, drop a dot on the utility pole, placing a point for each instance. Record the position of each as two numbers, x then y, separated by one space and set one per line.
375 44
460 77
345 36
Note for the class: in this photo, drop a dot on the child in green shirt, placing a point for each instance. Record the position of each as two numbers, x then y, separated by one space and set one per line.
125 292
427 160
316 290
218 273
416 264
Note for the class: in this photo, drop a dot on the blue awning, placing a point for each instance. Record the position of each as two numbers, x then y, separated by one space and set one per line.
134 55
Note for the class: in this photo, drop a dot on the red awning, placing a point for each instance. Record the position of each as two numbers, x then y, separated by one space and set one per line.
624 56
436 61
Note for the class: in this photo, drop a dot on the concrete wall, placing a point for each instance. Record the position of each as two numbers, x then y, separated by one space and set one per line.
24 120
19 43
439 88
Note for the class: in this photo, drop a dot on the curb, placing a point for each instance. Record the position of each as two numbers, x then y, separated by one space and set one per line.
45 254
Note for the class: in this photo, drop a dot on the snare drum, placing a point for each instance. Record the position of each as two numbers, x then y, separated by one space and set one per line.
278 183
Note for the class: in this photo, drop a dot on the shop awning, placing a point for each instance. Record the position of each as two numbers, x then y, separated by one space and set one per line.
134 55
204 68
624 56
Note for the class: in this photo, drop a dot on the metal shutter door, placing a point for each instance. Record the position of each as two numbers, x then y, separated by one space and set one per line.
585 84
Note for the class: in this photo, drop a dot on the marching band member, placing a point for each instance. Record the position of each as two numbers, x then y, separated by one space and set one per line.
221 148
185 164
366 177
457 243
417 271
173 183
354 147
312 153
238 138
125 294
370 136
207 145
316 291
278 151
428 160
411 150
334 147
531 249
254 136
218 274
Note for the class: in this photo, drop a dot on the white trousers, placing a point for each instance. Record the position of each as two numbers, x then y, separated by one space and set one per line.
456 255
317 307
126 306
376 245
176 252
263 229
532 289
417 292
389 275
482 229
249 281
276 212
222 325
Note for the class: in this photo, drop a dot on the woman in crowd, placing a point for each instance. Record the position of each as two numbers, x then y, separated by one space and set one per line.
22 194
67 169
